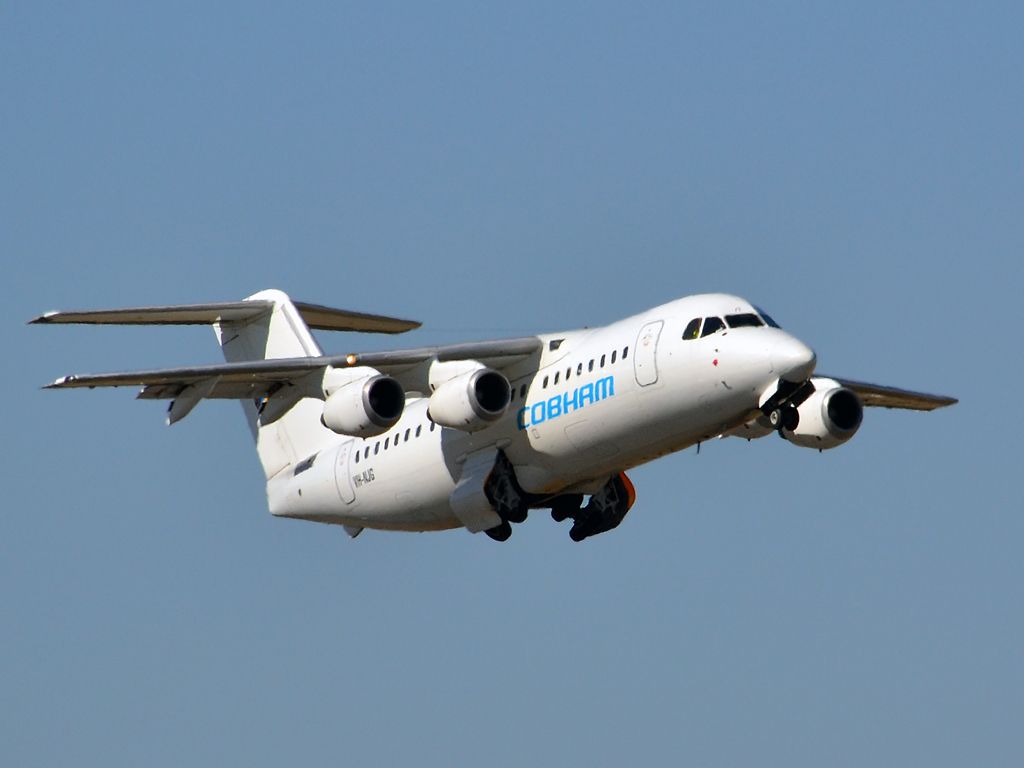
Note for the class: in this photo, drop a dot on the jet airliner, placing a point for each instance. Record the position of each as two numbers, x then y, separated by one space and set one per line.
475 435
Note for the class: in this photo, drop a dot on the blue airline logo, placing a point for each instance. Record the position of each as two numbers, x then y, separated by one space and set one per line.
559 405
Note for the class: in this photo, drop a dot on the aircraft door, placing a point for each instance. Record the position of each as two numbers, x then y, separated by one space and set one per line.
645 366
342 477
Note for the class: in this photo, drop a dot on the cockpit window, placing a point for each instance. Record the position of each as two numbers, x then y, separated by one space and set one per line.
711 325
692 329
766 317
746 320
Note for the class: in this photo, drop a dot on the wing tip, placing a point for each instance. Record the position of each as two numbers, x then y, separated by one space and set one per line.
46 317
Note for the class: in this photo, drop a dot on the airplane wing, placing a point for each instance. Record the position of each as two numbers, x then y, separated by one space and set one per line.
260 378
874 395
316 316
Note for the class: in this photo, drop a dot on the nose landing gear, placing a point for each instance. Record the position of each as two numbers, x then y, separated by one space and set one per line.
784 417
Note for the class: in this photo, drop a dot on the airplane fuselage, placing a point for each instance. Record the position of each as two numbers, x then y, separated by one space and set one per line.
599 401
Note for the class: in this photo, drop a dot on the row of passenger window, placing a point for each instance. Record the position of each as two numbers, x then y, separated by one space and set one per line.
393 441
694 329
593 363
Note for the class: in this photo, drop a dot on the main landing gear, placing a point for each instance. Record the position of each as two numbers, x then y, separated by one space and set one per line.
603 512
506 497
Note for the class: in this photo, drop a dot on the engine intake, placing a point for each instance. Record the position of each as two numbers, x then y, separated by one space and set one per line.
828 418
364 408
472 401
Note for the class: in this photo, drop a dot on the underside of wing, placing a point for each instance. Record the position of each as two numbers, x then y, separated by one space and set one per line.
874 395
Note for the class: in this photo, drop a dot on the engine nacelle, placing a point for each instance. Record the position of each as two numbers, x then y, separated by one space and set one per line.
471 401
828 418
365 407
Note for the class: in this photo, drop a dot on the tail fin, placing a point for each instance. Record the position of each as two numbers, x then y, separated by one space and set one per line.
279 333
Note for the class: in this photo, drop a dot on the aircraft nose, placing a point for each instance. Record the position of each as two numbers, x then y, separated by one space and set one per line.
793 360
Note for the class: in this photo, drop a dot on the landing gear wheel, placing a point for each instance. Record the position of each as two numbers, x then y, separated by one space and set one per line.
517 514
790 418
500 532
577 534
564 507
787 417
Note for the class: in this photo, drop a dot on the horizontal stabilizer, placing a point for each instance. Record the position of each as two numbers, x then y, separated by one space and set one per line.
315 316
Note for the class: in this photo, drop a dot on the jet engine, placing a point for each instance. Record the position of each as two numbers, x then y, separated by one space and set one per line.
364 407
470 401
828 418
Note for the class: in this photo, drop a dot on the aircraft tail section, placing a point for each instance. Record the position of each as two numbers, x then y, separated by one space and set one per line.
278 333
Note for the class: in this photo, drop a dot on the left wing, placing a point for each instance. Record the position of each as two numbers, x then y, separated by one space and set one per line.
261 378
892 397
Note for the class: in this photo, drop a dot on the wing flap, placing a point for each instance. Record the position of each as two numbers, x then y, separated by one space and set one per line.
875 395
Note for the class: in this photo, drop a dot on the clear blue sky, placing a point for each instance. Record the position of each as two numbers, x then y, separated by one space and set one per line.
856 169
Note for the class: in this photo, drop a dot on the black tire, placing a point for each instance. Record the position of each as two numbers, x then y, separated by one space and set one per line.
517 515
775 418
790 418
577 534
500 532
559 515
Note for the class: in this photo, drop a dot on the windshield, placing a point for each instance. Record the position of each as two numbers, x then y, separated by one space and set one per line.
746 320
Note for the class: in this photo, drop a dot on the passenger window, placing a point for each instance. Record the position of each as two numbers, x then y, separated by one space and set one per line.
366 453
419 428
590 366
386 441
602 361
711 325
522 391
614 353
625 352
557 373
431 426
357 457
568 373
407 435
579 369
376 448
545 386
692 329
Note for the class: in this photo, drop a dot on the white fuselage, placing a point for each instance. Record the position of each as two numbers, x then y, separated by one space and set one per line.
601 401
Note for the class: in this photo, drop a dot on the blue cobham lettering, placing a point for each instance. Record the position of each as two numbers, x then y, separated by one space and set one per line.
560 405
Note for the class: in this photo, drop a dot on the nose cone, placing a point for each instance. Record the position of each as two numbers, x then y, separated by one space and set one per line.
793 360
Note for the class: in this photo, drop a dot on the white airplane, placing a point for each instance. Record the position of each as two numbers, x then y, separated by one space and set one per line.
475 435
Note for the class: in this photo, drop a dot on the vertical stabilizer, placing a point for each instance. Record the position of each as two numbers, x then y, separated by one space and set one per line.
278 333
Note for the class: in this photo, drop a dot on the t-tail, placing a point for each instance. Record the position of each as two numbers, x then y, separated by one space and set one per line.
274 366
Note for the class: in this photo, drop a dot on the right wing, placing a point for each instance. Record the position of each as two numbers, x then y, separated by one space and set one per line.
875 395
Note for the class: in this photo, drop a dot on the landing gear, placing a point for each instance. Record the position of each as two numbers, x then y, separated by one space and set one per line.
785 417
564 507
500 532
506 497
603 512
